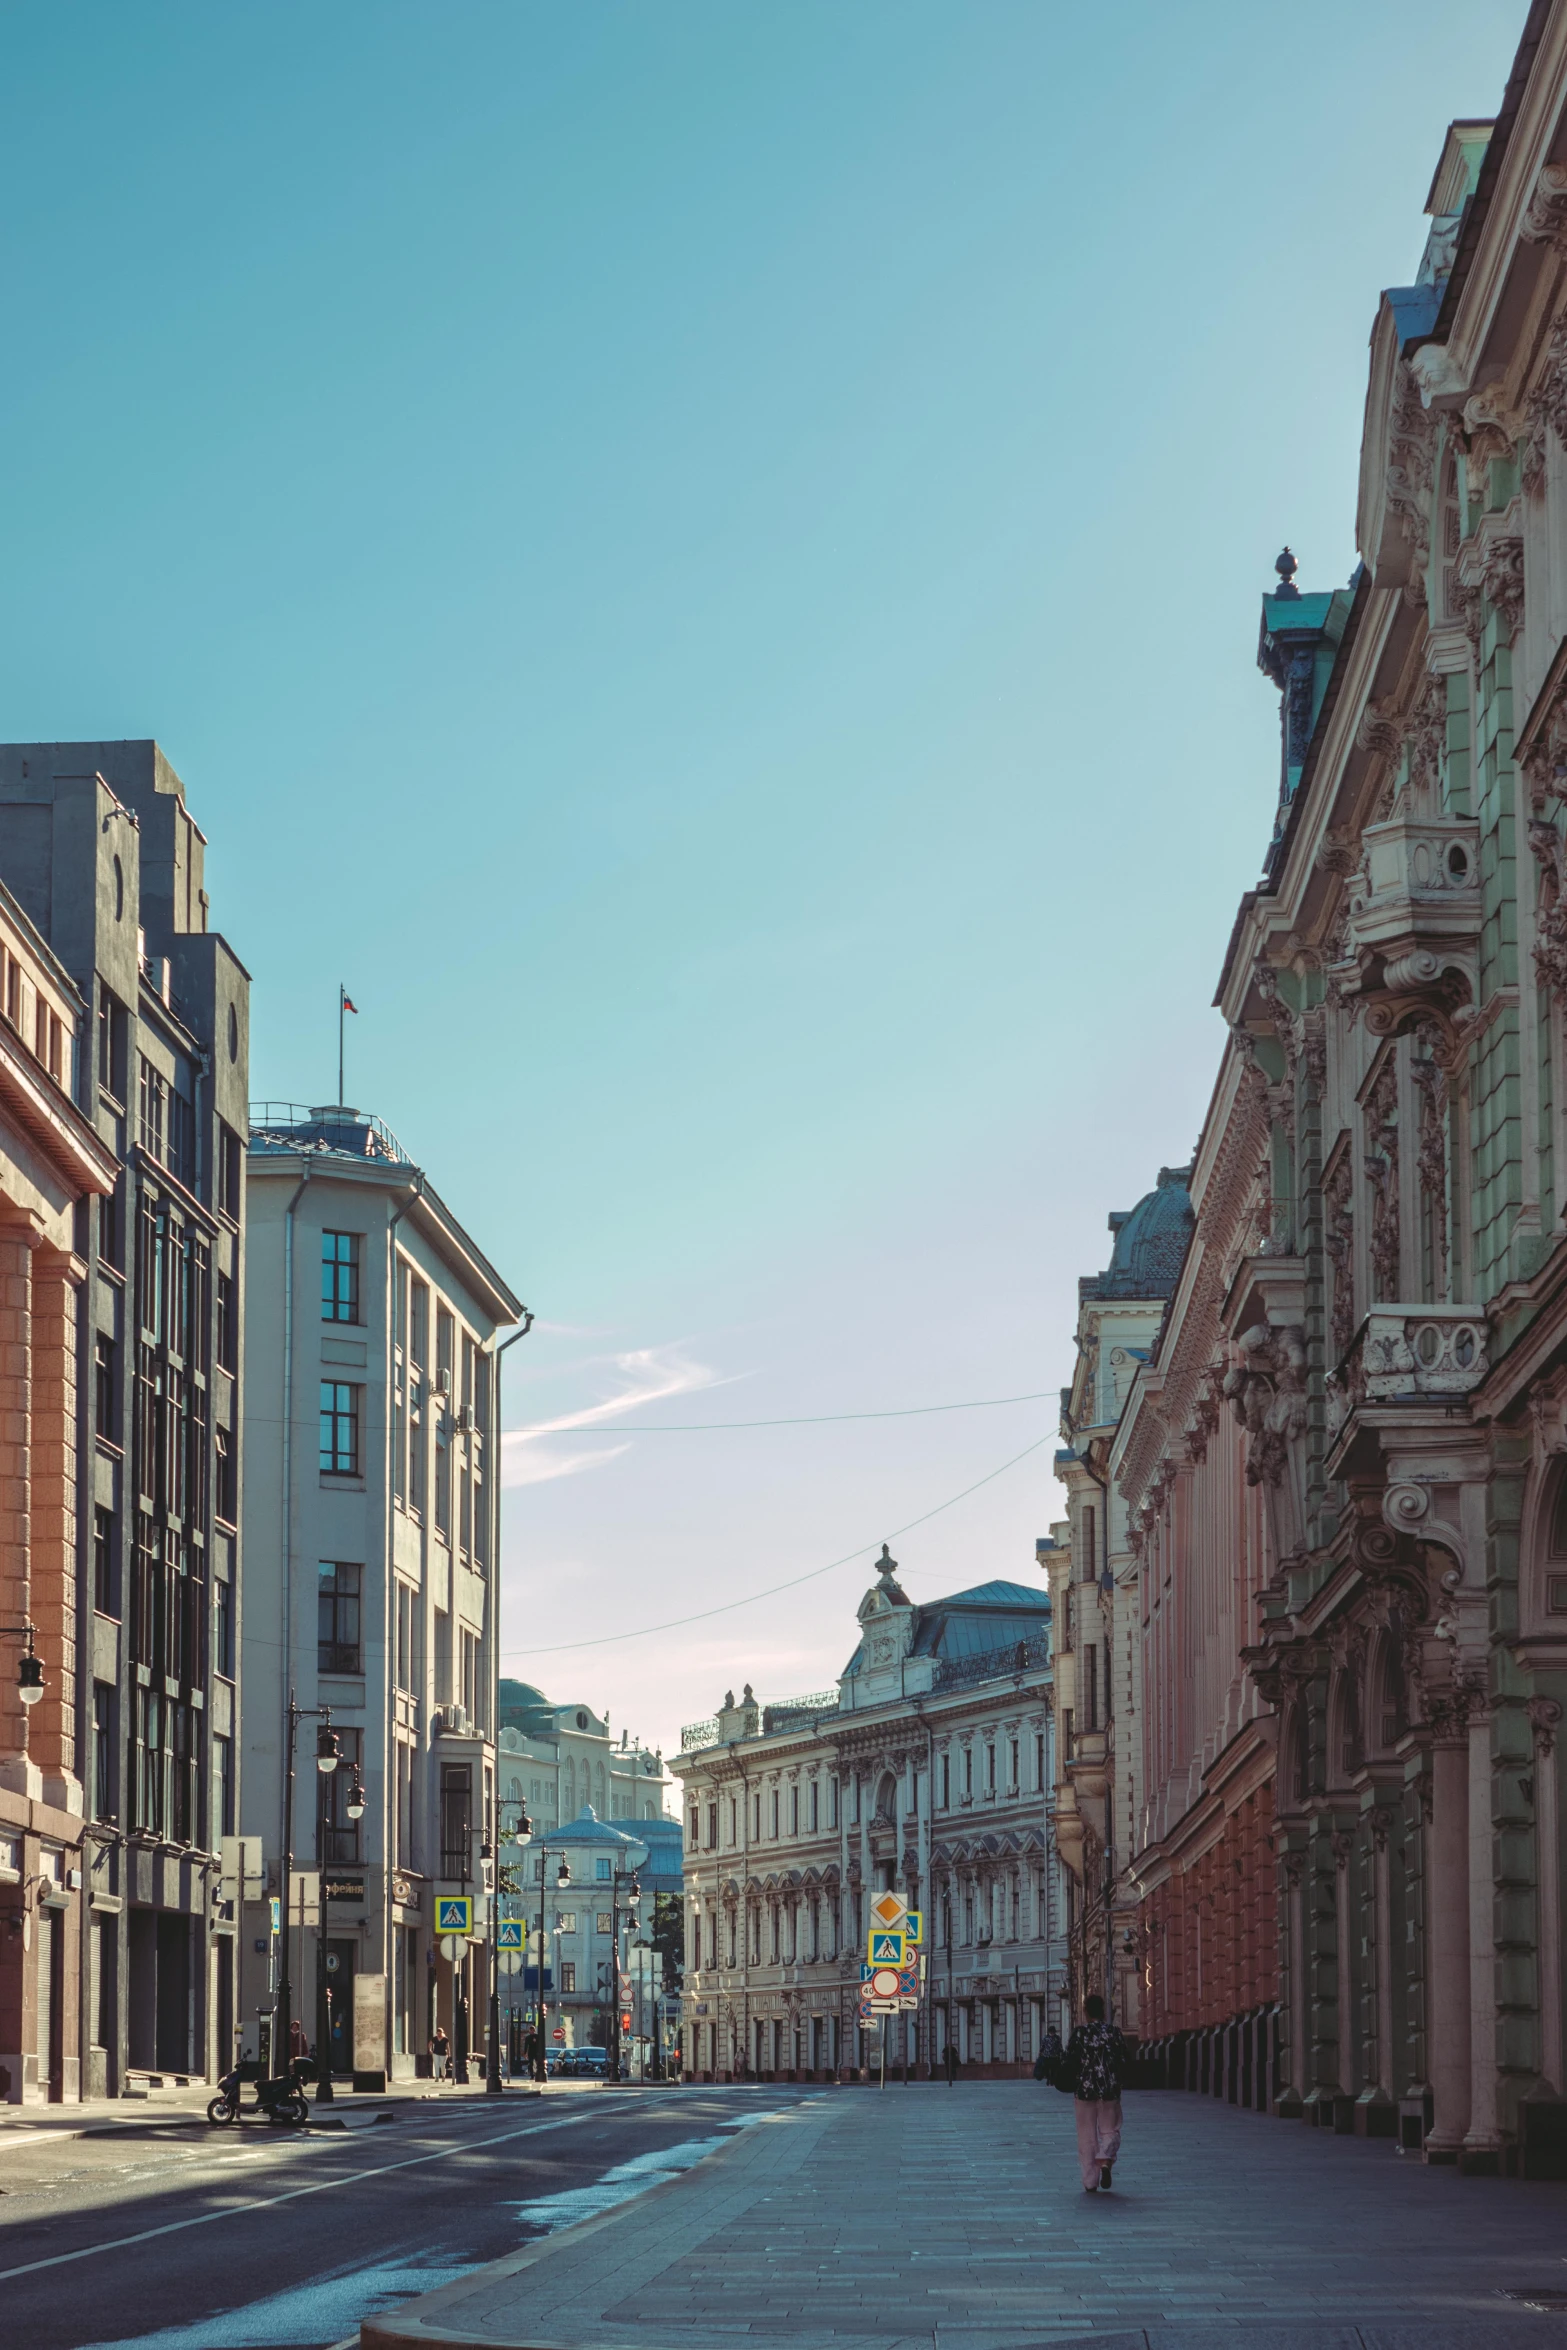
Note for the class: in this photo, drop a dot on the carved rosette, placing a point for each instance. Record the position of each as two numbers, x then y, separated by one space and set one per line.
1338 1239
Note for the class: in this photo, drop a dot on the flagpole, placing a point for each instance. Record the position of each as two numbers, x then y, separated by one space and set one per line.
340 1004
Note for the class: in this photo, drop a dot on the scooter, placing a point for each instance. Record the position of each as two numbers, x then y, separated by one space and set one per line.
283 2102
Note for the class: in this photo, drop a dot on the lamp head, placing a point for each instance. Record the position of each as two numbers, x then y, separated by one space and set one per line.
563 1877
355 1806
327 1749
30 1679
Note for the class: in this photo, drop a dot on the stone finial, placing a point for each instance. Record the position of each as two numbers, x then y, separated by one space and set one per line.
1286 567
729 1699
886 1565
750 1695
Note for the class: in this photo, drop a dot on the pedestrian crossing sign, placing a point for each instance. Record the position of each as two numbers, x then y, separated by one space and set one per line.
509 1934
914 1926
454 1913
886 1949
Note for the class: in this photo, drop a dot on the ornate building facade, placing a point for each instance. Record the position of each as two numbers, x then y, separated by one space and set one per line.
929 1770
1345 1461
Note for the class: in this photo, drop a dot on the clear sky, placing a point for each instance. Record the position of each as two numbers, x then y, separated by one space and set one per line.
704 559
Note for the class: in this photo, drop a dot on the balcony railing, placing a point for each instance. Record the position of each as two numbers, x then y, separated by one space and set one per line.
785 1711
698 1734
290 1126
1410 1354
993 1664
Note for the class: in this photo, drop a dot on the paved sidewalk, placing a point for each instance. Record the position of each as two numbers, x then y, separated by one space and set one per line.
955 2220
184 2109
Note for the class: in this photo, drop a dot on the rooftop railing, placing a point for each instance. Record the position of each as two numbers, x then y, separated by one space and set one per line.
291 1126
993 1664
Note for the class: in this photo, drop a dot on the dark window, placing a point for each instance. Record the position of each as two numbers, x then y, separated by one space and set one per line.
712 1826
339 1429
228 1334
990 1770
103 1750
337 1619
1090 1688
223 1629
774 1811
182 1139
223 1764
225 1500
183 1773
111 1044
1090 1567
342 1845
104 1548
339 1276
152 1109
456 1821
946 1780
103 1386
568 1975
111 1237
230 1172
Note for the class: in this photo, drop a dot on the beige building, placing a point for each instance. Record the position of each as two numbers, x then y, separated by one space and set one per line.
927 1770
51 1165
372 1542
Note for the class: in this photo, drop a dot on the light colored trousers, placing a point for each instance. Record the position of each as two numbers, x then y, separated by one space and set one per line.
1098 2134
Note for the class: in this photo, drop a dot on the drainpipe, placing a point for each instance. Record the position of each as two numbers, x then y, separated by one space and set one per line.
388 1774
281 2057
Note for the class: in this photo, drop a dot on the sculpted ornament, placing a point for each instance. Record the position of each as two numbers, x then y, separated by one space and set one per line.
1550 920
1501 575
1545 1714
1409 479
1266 1389
1546 407
1545 220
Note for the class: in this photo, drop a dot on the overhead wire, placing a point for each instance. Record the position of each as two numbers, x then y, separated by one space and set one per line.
918 1411
728 1606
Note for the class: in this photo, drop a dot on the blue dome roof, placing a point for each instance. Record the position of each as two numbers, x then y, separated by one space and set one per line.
1150 1243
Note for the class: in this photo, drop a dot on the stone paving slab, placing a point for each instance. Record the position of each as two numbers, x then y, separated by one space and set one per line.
955 2220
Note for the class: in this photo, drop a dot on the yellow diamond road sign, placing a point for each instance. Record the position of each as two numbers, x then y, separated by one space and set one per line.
886 1949
888 1911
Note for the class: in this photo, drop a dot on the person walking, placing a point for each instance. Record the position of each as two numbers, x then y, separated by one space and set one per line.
440 2050
1094 2063
949 2061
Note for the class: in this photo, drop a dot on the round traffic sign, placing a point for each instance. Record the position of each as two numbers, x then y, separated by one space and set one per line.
884 1983
510 1961
452 1946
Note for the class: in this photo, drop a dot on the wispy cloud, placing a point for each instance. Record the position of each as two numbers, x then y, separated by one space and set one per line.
644 1375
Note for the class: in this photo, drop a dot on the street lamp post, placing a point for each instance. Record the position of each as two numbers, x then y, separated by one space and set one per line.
327 1757
514 1839
562 1880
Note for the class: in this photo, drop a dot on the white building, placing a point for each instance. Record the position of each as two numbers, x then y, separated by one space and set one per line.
371 1529
561 1759
927 1770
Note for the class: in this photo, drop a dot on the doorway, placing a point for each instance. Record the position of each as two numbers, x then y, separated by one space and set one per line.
341 1956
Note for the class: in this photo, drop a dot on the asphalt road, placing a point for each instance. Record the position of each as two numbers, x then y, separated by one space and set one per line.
252 2239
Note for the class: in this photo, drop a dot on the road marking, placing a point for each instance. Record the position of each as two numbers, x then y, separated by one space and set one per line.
203 2219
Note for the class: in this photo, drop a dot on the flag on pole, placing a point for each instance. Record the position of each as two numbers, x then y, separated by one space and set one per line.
348 1003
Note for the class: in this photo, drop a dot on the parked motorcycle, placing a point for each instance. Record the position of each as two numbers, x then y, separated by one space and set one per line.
283 2102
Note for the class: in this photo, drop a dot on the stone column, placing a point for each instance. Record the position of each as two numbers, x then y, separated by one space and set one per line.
1482 2140
19 1236
1447 1937
1546 1714
53 1515
1346 2065
1381 1822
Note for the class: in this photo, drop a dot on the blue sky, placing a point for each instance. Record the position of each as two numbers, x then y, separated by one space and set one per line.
705 560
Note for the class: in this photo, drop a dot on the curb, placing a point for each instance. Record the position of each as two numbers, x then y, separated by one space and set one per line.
140 2124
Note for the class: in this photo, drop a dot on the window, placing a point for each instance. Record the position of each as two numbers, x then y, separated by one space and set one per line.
339 1276
1090 1689
182 1138
602 1871
832 1799
471 1684
337 1618
404 1657
794 1811
602 1922
403 1766
1014 1778
225 1499
565 1921
443 1481
103 1750
968 1770
445 1329
182 1771
103 1387
151 1108
1039 1760
111 1237
419 1324
111 1044
946 1781
339 1429
568 1975
230 1172
223 1630
228 1329
456 1820
712 1826
223 1772
342 1835
814 1807
990 1770
103 1563
1090 1545
773 1813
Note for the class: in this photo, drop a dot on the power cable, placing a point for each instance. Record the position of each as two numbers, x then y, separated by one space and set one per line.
989 1403
866 1549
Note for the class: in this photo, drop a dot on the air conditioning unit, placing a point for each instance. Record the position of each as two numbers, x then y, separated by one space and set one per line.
452 1720
465 1419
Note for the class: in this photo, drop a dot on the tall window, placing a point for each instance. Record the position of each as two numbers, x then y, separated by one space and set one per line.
223 1629
339 1429
337 1619
223 1772
111 1044
456 1821
103 1750
1090 1688
231 1175
103 1387
794 1811
103 1563
445 1331
814 1806
1090 1566
470 1675
225 1499
946 1781
340 1276
341 1846
228 1328
404 1661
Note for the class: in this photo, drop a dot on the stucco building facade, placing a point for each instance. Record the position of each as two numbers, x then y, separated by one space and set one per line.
929 1770
372 1528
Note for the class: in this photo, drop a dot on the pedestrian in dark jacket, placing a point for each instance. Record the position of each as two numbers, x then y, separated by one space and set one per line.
1047 2064
949 2059
1095 2062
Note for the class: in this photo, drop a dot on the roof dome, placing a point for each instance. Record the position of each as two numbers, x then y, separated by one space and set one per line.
1150 1243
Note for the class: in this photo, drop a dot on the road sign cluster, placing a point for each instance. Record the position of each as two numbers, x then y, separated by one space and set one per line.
892 1968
